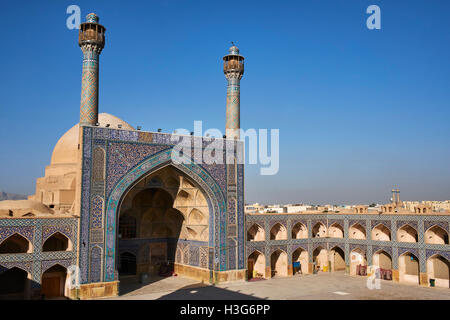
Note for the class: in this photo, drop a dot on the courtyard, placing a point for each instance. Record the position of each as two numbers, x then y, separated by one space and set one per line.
321 286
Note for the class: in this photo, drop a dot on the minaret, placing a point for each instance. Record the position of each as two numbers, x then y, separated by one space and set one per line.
233 68
91 40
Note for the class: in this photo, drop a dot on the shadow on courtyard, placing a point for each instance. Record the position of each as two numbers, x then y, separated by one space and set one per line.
206 292
130 284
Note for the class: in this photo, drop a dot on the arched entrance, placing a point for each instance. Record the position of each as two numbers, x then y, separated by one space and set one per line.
357 231
319 230
127 264
300 255
436 235
383 260
15 244
299 231
336 231
337 259
53 284
157 212
358 262
255 233
279 263
14 284
381 233
278 232
408 268
438 268
256 265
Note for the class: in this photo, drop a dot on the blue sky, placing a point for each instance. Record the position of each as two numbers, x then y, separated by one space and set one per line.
359 110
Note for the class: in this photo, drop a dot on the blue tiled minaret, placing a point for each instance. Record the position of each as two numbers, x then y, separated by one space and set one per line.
91 40
233 68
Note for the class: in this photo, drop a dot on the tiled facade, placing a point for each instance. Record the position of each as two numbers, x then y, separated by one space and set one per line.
131 155
420 223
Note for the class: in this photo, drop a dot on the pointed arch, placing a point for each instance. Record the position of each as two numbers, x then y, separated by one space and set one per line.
300 255
57 242
407 233
337 258
319 230
256 265
53 281
14 283
408 268
320 258
358 262
438 268
279 263
299 231
357 231
335 230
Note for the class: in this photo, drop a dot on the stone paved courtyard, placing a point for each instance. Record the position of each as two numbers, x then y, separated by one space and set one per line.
319 286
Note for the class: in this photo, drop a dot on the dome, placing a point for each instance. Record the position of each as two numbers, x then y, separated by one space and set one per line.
66 150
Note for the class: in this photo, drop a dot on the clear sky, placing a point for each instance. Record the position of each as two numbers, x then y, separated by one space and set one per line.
359 110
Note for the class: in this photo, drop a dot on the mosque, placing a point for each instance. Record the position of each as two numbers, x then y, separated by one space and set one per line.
113 204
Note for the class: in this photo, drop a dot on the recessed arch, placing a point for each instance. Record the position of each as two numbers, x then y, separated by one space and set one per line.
357 231
407 233
279 263
200 178
256 233
53 282
127 264
382 259
319 230
57 242
14 284
436 235
299 231
278 232
358 262
335 231
15 243
408 268
320 258
381 233
256 265
337 259
300 255
438 268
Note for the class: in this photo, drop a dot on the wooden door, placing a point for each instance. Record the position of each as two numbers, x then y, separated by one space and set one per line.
51 287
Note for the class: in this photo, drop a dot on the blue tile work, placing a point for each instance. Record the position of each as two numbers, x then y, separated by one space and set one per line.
131 155
24 231
37 231
420 249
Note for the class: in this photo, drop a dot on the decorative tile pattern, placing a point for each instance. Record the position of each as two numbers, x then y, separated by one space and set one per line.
97 212
24 231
